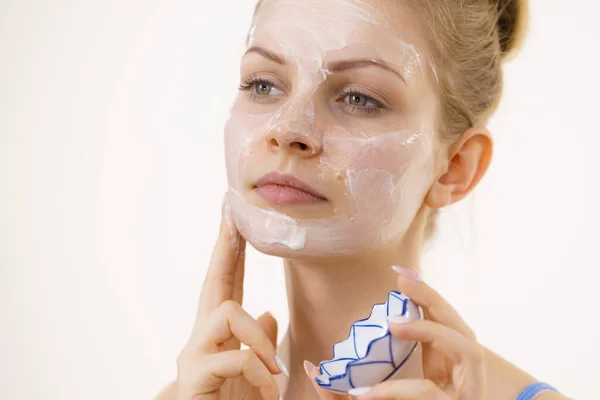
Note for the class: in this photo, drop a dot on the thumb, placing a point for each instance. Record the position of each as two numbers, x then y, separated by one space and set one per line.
268 323
312 371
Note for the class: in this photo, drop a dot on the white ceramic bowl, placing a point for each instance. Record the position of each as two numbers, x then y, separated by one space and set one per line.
370 354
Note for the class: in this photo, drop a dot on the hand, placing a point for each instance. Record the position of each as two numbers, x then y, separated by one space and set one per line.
211 366
453 361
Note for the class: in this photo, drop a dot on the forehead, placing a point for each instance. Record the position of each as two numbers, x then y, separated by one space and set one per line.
317 29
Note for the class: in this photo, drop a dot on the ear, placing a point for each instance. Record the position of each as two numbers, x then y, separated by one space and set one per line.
469 159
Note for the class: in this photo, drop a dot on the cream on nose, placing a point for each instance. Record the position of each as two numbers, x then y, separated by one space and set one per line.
295 142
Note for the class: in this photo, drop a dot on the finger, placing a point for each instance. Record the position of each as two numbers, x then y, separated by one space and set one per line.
226 269
435 306
237 293
231 321
404 389
435 366
446 340
312 371
214 369
269 325
466 356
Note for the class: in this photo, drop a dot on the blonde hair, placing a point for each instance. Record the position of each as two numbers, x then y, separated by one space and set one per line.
469 40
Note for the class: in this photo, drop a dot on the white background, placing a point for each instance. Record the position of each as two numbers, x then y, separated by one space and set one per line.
112 176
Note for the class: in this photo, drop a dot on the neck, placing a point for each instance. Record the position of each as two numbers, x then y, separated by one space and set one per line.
326 295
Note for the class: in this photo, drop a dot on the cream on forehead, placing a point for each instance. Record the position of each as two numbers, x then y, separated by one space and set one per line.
308 32
385 172
310 16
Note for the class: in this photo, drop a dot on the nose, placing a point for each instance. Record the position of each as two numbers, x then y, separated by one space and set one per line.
299 143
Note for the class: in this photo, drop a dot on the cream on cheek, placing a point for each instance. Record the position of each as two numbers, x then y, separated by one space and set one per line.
386 171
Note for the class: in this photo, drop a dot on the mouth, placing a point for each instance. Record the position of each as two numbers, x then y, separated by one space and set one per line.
286 190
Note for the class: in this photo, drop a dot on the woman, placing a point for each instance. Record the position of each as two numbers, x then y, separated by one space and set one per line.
356 120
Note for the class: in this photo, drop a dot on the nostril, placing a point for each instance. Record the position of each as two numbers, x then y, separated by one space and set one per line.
300 145
273 143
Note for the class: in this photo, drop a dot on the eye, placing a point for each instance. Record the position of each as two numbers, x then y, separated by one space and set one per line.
356 102
261 90
265 88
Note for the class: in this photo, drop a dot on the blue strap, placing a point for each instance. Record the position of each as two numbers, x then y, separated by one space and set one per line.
534 389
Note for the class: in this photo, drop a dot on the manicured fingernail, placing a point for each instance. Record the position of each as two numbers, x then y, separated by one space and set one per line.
360 391
398 319
281 365
409 273
308 366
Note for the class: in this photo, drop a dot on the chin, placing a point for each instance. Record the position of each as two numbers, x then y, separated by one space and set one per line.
314 249
279 234
278 250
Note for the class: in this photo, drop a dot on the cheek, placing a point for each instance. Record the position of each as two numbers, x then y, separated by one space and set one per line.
380 171
241 132
379 183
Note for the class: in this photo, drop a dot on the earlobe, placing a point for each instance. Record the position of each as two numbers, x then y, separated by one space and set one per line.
469 159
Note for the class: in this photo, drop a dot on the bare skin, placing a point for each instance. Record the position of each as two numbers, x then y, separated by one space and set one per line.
450 363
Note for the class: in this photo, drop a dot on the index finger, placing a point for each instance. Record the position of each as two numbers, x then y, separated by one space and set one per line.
435 306
225 276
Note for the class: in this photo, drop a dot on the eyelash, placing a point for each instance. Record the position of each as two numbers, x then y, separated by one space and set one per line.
378 105
250 83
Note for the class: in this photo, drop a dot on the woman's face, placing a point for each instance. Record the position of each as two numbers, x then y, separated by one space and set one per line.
330 142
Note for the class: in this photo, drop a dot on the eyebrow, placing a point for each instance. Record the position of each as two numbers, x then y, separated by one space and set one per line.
276 58
338 66
363 63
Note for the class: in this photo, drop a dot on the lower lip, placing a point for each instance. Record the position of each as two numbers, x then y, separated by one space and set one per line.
286 195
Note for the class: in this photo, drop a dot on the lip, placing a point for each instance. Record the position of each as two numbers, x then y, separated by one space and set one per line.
286 190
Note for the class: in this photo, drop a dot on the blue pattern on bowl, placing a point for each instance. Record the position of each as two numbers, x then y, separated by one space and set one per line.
372 355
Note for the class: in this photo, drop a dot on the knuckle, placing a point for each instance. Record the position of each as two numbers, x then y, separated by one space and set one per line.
471 334
429 305
479 353
185 364
476 354
230 306
428 386
247 357
227 278
182 358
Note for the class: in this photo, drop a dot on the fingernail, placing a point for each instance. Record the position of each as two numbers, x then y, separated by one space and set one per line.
281 365
308 366
398 319
409 273
360 391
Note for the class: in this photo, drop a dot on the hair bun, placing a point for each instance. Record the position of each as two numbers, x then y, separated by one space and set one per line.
512 24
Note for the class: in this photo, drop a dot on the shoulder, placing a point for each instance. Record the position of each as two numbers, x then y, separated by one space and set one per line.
551 396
